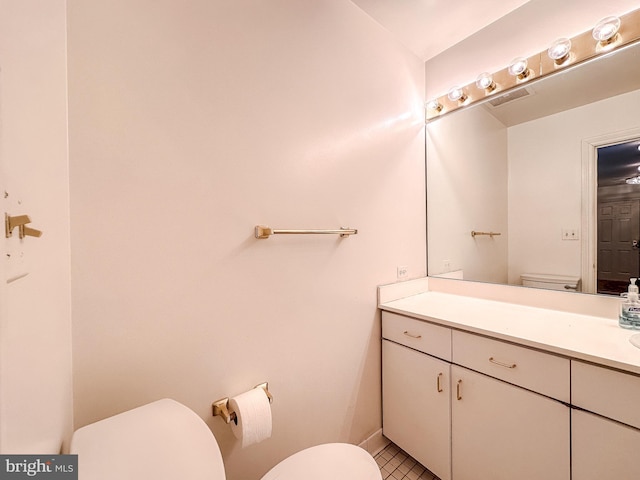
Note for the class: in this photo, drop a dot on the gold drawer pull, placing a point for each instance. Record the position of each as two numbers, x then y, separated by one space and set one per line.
506 365
406 332
459 390
439 384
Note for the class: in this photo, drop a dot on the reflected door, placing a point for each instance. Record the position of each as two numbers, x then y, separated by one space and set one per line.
618 254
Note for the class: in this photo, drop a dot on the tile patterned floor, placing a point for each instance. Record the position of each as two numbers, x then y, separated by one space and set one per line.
396 464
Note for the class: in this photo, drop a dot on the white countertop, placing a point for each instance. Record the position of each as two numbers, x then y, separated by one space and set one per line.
594 339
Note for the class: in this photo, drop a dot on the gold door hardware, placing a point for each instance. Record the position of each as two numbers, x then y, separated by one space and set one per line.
406 332
20 221
12 222
221 407
459 390
24 231
439 384
506 365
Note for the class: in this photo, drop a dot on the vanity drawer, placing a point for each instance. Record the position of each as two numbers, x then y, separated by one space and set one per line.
538 371
425 337
606 392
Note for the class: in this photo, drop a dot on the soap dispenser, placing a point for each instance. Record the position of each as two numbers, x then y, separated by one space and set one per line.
630 307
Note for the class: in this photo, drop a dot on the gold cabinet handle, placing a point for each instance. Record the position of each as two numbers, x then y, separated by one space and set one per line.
459 390
438 383
406 332
506 365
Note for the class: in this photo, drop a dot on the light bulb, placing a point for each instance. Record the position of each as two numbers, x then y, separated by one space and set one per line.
434 105
606 29
560 50
456 94
519 67
485 82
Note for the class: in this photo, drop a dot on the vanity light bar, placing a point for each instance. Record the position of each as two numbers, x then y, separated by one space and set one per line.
582 47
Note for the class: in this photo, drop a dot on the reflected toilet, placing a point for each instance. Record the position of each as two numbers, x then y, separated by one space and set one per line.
566 283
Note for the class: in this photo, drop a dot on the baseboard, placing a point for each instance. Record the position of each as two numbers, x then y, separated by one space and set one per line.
375 443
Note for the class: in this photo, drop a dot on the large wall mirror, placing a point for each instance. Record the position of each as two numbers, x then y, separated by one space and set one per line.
530 167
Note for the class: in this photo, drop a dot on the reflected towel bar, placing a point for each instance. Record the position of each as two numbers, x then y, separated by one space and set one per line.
491 234
262 231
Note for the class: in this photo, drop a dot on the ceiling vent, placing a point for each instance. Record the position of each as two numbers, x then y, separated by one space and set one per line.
510 96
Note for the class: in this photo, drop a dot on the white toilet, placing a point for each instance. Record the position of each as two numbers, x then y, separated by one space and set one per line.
568 283
165 440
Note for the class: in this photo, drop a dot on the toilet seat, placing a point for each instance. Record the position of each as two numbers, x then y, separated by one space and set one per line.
165 440
330 461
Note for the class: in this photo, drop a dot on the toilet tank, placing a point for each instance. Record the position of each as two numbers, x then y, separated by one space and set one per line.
566 283
163 440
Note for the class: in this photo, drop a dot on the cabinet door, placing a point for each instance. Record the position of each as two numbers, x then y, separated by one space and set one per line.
416 408
603 448
503 432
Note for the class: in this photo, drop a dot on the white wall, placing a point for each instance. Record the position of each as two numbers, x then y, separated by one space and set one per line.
192 123
467 190
545 164
35 318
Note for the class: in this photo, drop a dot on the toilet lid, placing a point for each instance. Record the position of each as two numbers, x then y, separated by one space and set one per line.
331 461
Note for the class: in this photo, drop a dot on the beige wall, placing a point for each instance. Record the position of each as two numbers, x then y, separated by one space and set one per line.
192 123
35 310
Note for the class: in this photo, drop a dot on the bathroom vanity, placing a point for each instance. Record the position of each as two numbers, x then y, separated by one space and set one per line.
476 388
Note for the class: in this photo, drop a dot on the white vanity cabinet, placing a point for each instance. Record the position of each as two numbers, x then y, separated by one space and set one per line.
416 407
534 393
603 448
512 423
454 417
416 413
605 425
503 432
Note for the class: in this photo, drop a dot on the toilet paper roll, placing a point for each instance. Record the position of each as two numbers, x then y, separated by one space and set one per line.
253 416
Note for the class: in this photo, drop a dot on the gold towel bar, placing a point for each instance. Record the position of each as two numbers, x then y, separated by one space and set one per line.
263 231
221 407
474 234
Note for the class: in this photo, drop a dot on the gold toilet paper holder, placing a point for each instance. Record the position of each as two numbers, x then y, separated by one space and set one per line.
221 407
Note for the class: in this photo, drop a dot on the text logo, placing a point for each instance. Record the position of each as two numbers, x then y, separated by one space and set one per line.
50 467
